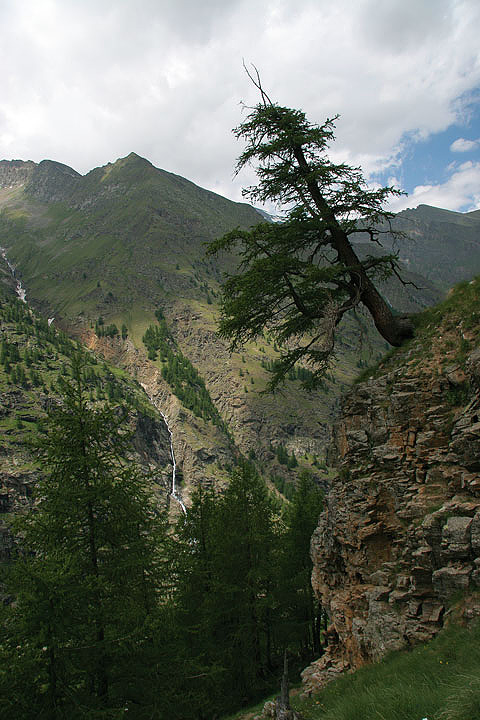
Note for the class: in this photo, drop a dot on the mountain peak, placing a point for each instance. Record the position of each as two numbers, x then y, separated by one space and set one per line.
52 181
124 169
134 157
53 166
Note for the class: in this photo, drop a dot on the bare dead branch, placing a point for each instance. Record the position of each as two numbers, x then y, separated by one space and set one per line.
258 83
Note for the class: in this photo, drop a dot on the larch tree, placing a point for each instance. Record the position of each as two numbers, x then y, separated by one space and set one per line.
298 278
89 572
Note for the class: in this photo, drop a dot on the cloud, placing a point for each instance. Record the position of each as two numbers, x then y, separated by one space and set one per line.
461 145
461 192
85 83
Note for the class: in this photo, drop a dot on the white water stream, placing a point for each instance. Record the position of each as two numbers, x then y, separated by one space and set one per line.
21 292
174 493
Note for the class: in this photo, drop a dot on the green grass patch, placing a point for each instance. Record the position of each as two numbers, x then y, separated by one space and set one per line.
438 681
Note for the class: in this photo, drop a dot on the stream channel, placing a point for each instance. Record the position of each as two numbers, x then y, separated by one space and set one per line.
174 493
21 292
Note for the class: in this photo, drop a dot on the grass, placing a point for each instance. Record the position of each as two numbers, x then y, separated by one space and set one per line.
439 681
449 331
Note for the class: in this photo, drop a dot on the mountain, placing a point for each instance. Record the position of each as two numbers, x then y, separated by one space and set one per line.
442 245
113 267
124 242
108 253
33 356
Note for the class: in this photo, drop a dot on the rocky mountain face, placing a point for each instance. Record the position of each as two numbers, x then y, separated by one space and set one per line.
397 549
15 173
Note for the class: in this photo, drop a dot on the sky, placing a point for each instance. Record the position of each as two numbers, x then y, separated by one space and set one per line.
85 82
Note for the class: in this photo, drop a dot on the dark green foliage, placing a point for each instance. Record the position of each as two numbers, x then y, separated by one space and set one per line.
197 628
282 455
80 625
292 461
189 387
300 609
157 337
242 590
178 371
228 572
286 487
102 330
299 277
284 458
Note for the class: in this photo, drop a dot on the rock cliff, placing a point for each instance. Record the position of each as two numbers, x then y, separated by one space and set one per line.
397 546
14 173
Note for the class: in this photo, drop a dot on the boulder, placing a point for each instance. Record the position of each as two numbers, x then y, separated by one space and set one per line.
456 539
448 580
475 535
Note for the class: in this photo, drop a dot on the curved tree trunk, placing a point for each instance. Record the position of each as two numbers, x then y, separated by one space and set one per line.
395 329
392 328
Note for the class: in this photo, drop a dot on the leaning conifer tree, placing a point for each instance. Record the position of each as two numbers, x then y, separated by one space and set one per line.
87 579
299 277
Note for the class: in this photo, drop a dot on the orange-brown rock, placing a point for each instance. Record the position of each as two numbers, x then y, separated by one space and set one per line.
399 538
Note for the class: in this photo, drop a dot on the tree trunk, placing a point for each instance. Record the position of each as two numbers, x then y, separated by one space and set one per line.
283 711
392 328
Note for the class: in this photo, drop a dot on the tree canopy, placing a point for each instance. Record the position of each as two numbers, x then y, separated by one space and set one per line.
89 570
299 277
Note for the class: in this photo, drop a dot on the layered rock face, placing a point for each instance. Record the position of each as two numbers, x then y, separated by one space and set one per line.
399 541
14 173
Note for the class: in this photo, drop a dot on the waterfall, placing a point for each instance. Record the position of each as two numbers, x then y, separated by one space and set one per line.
21 292
174 493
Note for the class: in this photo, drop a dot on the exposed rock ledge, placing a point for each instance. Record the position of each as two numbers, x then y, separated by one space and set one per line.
399 540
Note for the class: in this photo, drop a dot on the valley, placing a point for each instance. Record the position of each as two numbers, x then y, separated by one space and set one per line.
112 265
128 239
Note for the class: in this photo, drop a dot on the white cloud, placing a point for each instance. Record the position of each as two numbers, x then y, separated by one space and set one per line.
461 145
460 192
85 83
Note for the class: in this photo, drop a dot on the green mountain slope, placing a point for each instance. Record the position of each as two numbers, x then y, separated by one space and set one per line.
442 245
122 234
33 355
127 240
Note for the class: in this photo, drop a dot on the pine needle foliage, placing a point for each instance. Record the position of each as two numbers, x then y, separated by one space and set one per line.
298 278
88 572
